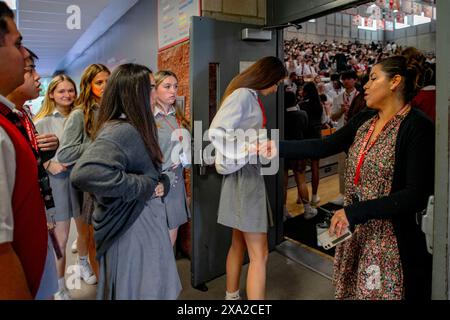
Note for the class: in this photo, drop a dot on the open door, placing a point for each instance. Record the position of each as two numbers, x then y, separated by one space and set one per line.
217 54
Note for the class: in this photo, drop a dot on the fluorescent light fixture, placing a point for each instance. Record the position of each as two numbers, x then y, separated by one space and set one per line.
312 20
12 4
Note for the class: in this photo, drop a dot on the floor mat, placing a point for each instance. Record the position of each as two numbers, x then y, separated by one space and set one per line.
305 231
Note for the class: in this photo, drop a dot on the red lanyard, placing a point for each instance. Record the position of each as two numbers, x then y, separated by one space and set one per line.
263 113
172 127
31 131
366 146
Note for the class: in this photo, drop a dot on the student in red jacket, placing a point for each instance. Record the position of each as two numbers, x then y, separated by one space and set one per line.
22 215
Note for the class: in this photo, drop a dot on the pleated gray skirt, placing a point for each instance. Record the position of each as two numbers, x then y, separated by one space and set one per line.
141 265
243 201
176 204
67 198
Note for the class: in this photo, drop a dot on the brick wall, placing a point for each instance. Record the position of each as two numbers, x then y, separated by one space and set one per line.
176 59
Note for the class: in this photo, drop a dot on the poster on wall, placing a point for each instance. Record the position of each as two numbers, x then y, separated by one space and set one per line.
407 7
417 8
173 21
356 20
428 11
400 17
389 25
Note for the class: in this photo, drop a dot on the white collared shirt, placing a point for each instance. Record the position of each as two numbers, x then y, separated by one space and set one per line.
339 100
240 110
52 123
7 180
160 110
7 103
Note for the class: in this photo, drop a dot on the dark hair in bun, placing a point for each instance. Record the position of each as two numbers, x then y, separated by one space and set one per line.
410 66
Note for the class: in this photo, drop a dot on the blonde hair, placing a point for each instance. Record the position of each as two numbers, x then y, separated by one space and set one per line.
86 100
160 76
49 104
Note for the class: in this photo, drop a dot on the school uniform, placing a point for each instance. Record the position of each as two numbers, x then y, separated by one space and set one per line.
67 199
133 244
168 138
243 199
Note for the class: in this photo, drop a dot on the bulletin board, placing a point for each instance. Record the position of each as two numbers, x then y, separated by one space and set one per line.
174 20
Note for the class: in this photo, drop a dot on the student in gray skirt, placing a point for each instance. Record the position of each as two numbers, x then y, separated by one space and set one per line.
58 103
77 135
122 169
243 201
170 121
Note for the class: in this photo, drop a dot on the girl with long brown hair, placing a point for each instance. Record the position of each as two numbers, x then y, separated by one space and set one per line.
77 135
122 169
243 200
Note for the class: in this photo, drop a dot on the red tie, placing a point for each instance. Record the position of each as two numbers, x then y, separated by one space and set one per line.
31 130
263 113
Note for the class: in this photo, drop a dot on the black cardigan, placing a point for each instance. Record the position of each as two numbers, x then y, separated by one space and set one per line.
412 184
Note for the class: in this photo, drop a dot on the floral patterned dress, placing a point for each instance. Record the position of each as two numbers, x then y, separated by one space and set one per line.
368 266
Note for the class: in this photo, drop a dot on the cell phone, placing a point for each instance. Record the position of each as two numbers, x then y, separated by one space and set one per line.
329 242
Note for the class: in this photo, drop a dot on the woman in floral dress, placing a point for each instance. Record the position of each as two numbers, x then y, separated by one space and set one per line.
389 177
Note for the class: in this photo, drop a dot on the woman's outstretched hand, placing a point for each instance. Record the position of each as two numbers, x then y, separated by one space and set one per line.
339 223
267 149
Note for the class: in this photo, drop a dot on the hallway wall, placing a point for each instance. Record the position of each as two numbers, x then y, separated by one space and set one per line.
132 39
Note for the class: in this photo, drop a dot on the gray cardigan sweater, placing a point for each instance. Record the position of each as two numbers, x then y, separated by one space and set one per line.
117 169
74 139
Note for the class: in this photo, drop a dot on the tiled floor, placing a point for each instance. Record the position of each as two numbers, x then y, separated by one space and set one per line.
287 278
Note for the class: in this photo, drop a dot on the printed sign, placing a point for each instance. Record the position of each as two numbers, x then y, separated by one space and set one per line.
174 21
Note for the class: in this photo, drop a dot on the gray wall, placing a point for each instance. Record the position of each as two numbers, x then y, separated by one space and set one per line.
133 38
336 26
423 37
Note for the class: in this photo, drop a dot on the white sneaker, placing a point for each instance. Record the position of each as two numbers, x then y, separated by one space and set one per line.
315 200
232 296
339 201
310 212
62 295
87 274
74 246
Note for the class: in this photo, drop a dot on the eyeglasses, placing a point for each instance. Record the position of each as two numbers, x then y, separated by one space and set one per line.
30 68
